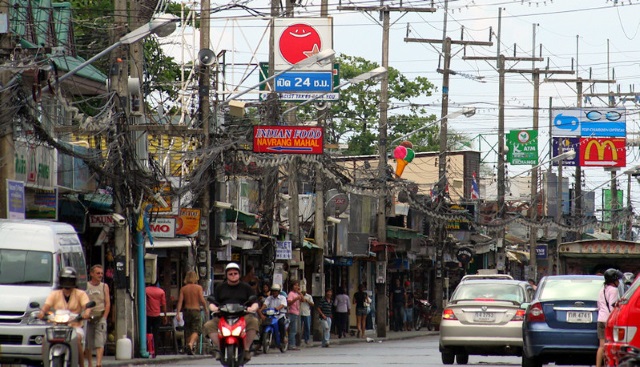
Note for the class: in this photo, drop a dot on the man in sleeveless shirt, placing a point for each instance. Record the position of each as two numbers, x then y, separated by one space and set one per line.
96 327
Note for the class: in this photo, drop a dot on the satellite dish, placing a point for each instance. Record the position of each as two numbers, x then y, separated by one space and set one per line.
206 57
337 204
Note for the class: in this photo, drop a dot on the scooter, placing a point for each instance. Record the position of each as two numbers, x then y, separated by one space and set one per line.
232 331
270 332
629 357
60 347
425 311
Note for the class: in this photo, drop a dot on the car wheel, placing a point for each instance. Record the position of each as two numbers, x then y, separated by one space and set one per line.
448 357
530 362
462 358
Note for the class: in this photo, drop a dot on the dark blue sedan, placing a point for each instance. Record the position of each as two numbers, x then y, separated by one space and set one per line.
560 323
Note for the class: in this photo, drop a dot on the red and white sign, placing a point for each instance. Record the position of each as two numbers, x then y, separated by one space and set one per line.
298 38
288 139
603 152
101 220
163 227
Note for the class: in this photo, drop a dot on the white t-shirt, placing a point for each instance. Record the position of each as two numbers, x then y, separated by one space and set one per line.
272 302
305 307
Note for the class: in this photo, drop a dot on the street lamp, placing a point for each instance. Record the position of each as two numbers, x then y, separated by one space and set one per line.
466 111
323 57
162 25
373 74
630 172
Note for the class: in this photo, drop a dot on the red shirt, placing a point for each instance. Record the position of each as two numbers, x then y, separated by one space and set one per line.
155 300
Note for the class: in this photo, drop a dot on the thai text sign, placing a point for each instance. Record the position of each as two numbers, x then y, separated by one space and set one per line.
603 152
283 250
288 139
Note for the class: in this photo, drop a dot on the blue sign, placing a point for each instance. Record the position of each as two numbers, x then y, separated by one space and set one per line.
605 129
541 252
590 122
15 199
294 81
562 145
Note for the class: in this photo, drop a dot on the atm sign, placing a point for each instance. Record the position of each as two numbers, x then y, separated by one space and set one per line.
603 152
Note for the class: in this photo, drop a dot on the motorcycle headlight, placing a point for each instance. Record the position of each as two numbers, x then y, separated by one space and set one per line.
226 331
237 331
59 335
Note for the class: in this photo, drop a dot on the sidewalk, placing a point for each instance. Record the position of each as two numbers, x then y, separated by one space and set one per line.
370 334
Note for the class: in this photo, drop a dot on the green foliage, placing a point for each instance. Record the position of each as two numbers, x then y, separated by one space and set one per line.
162 73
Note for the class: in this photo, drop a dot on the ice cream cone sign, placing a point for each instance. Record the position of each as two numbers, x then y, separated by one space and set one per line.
403 154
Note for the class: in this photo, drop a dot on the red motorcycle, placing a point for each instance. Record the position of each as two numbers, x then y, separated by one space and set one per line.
232 333
424 314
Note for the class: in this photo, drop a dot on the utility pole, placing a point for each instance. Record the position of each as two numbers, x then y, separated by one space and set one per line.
382 300
204 86
118 82
442 158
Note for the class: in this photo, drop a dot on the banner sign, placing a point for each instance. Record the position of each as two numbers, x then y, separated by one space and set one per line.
163 227
188 222
288 139
283 250
15 199
541 252
295 39
603 152
564 144
523 147
590 122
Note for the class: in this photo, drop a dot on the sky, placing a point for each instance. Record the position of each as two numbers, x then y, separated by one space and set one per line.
596 38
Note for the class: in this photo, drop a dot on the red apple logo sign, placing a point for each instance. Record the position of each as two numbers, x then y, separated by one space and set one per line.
299 41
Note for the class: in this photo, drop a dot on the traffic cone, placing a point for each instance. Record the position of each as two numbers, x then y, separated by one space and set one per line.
401 164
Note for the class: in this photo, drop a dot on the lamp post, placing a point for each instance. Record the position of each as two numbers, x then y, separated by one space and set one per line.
630 172
570 154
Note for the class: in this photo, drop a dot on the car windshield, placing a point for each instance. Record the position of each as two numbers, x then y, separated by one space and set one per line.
489 292
25 267
585 289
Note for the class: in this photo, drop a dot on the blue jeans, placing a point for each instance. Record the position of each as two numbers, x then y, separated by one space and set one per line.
326 330
294 322
306 327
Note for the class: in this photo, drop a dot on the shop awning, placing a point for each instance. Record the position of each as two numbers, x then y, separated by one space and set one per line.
511 256
402 233
520 256
310 245
168 243
234 215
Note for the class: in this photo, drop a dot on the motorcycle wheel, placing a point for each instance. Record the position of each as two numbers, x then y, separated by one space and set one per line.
58 361
266 341
284 343
419 322
232 356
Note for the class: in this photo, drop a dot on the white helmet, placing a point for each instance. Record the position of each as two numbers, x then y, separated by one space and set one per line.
276 287
231 266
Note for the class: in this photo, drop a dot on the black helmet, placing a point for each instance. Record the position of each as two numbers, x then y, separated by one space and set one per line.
611 275
68 277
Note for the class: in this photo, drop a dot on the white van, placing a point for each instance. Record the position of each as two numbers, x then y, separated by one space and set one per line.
32 252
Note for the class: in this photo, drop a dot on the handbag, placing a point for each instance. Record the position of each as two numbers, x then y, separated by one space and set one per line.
367 302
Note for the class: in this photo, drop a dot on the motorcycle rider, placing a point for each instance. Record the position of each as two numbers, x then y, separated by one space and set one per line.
233 291
70 298
279 302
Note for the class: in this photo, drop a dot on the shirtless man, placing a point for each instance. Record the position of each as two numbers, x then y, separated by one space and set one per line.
189 302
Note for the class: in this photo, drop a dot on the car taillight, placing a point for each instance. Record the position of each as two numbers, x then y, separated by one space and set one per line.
624 334
448 314
535 313
519 316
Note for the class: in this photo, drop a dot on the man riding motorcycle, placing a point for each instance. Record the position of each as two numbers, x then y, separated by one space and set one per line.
278 302
70 298
233 291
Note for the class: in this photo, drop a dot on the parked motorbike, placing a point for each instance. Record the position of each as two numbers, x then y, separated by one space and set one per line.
232 332
629 357
270 332
60 346
424 314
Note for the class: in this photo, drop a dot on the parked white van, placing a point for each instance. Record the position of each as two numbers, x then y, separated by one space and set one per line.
32 252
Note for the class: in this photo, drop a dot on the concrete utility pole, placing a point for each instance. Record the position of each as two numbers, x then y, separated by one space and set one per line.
382 301
6 136
204 85
442 158
118 81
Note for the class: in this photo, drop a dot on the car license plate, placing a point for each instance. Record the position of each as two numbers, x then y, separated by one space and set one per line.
583 317
484 317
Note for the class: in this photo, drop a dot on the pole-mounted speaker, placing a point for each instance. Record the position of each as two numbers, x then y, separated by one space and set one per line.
206 57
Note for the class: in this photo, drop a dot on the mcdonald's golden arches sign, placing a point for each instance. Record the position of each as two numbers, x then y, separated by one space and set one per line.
603 152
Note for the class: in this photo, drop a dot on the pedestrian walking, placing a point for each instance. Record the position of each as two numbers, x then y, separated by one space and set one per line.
306 305
189 302
360 299
293 303
606 301
343 306
96 328
156 311
408 306
324 309
397 295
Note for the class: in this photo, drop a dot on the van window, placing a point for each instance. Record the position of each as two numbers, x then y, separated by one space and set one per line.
75 259
25 267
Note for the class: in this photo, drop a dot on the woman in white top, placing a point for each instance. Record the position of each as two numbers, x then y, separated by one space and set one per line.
342 304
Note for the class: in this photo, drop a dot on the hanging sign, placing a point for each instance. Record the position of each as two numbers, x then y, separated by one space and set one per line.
523 147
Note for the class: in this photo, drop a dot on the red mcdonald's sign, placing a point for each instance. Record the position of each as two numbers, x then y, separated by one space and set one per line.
603 152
